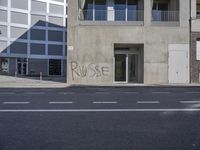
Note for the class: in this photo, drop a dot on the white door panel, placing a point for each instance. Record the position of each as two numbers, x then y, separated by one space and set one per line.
178 66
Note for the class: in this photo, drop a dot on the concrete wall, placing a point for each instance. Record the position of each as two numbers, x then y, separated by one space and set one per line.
90 59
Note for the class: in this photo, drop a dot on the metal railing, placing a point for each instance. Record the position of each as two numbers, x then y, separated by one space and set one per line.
158 15
117 15
129 15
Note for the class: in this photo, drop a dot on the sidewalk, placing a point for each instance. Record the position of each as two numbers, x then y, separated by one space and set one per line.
32 82
60 82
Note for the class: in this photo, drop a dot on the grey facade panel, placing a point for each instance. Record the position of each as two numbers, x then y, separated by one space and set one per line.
64 67
3 47
20 18
55 36
12 66
18 48
55 22
19 33
37 6
20 4
55 50
37 65
37 34
59 1
56 9
4 3
37 49
3 30
38 20
3 16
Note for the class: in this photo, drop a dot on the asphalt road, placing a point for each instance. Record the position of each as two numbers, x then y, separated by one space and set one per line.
106 118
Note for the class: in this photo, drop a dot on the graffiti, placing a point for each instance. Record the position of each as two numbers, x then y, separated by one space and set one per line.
91 70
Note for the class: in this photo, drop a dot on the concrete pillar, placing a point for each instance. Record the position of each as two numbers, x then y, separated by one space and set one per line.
147 12
193 9
184 13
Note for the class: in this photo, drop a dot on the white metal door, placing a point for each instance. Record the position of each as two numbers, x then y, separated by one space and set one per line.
178 66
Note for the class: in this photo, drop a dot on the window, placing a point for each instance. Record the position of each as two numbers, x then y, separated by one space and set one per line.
3 16
3 31
56 50
128 10
56 9
55 21
37 34
55 36
18 33
20 4
4 3
38 20
3 46
54 67
95 10
198 9
88 10
20 18
120 10
18 48
37 49
37 6
100 10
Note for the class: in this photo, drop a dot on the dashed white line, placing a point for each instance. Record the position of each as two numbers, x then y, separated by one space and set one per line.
14 103
189 102
161 92
102 92
7 93
34 93
130 92
192 92
104 102
66 93
60 102
148 102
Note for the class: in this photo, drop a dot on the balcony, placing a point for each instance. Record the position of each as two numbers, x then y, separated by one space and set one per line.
111 15
165 16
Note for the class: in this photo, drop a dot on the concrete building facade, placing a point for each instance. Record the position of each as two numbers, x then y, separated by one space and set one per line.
128 41
195 41
33 37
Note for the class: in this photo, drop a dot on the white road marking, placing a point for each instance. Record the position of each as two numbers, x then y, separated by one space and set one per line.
148 102
34 93
99 110
14 103
7 93
104 102
130 92
66 93
189 102
60 102
161 92
192 92
102 92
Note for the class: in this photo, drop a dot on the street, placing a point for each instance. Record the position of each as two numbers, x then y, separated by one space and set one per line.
100 118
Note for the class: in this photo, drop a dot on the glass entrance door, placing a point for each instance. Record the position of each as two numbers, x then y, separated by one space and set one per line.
133 68
21 66
120 67
126 68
